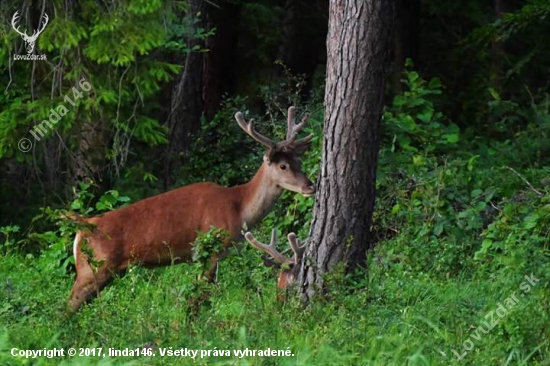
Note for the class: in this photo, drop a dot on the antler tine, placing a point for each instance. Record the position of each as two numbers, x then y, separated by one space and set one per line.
16 27
299 126
292 128
249 129
296 246
303 141
291 117
269 249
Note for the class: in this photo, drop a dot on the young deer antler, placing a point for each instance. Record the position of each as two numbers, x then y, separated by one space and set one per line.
290 266
292 127
270 249
290 143
298 146
249 129
297 247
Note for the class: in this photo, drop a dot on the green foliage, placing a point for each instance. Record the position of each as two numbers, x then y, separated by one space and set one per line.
441 209
207 245
260 20
109 47
189 30
519 236
413 122
514 75
531 15
8 243
84 197
222 152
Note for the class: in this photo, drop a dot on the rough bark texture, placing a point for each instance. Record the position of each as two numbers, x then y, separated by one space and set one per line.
358 45
89 160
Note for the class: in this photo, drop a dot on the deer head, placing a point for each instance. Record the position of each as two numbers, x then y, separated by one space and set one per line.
289 266
282 159
29 40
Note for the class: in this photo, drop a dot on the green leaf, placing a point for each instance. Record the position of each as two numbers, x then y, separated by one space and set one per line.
494 94
531 221
395 209
452 138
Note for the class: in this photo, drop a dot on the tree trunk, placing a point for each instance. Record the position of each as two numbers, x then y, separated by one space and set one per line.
89 161
187 103
52 163
219 61
498 48
358 45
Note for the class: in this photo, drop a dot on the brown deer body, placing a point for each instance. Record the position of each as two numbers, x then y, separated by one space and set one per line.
160 230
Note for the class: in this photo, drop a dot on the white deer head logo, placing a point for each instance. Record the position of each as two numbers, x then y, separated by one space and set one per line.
29 40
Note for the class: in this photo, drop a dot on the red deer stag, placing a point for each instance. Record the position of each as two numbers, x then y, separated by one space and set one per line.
289 266
160 230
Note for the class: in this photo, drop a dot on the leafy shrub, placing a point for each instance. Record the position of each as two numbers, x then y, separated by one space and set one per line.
412 122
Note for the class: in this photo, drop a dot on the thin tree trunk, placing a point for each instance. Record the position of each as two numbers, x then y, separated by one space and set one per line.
52 163
187 103
498 48
219 61
358 45
90 162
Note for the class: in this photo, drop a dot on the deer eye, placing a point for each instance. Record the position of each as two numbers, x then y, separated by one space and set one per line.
282 166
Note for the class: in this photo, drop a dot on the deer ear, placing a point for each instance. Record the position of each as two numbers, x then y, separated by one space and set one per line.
300 150
268 156
268 262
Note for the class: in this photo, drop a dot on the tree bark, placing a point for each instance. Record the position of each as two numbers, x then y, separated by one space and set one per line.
186 101
358 45
89 162
52 163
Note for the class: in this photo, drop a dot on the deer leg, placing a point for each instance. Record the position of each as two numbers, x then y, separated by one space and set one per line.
213 270
211 273
88 284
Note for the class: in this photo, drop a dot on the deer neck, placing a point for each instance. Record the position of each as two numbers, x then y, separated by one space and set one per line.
259 197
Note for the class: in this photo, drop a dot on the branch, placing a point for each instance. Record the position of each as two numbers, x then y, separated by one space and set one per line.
537 192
